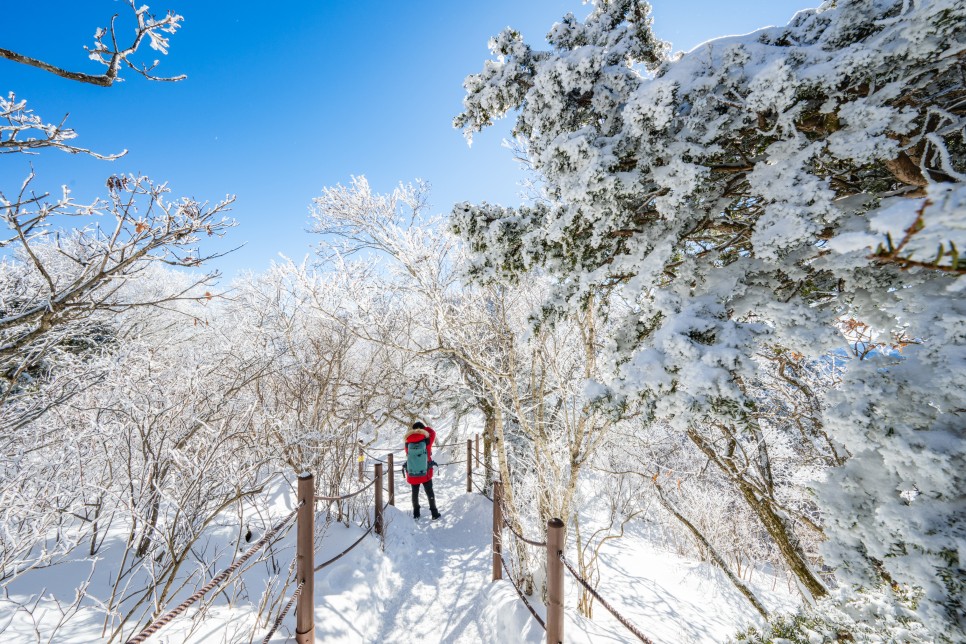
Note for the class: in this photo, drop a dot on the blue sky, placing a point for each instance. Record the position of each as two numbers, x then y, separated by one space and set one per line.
287 97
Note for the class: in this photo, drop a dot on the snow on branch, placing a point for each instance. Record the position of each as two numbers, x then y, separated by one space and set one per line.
112 55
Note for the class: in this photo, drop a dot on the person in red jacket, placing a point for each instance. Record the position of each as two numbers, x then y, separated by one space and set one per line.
419 465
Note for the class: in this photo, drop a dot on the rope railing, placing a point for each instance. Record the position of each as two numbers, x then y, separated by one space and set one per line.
303 593
224 575
489 467
620 618
394 452
532 542
281 616
217 581
347 550
538 544
498 555
554 579
456 462
482 492
399 469
346 496
522 596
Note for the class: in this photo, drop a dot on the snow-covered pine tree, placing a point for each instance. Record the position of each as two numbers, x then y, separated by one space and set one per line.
759 193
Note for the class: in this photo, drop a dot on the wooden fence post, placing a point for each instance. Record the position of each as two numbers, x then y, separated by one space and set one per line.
469 466
378 520
477 451
555 582
362 462
392 482
497 530
305 558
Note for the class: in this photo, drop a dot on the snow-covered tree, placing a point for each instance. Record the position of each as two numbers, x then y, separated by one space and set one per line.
63 270
61 287
753 196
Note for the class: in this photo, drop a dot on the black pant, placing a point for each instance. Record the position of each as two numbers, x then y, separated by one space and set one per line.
428 486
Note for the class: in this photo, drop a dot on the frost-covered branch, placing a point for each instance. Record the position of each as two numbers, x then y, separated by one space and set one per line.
22 131
58 284
113 56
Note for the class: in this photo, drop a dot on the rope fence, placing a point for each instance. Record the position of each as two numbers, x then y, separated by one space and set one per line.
523 597
346 496
456 462
500 520
489 467
221 578
555 589
347 550
482 492
217 581
281 616
603 602
394 452
538 544
303 596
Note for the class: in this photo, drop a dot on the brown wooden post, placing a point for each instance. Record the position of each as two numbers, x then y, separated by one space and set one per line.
362 462
469 465
305 558
555 582
378 520
497 530
477 451
392 482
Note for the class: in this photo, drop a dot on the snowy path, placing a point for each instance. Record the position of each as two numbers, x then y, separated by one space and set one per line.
432 583
446 573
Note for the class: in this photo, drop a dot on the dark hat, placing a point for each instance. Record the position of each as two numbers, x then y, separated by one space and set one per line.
418 425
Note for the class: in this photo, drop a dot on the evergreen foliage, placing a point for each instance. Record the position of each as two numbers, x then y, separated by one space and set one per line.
798 189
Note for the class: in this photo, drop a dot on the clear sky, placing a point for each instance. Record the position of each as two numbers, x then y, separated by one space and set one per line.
286 97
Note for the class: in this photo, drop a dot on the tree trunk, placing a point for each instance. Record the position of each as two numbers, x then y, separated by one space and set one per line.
787 544
489 435
742 588
771 519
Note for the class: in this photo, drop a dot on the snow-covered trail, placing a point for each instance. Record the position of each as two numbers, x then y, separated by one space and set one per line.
445 568
430 581
430 584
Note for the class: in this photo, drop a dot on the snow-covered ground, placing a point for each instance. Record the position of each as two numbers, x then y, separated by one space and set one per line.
429 581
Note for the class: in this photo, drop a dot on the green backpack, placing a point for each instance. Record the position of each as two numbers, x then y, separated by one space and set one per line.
417 458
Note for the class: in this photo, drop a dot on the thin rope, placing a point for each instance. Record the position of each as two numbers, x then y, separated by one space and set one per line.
376 458
453 462
281 616
346 496
346 551
489 467
482 492
538 544
158 624
522 596
620 618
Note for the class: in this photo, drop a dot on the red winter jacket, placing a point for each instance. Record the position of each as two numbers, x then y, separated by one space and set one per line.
414 436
